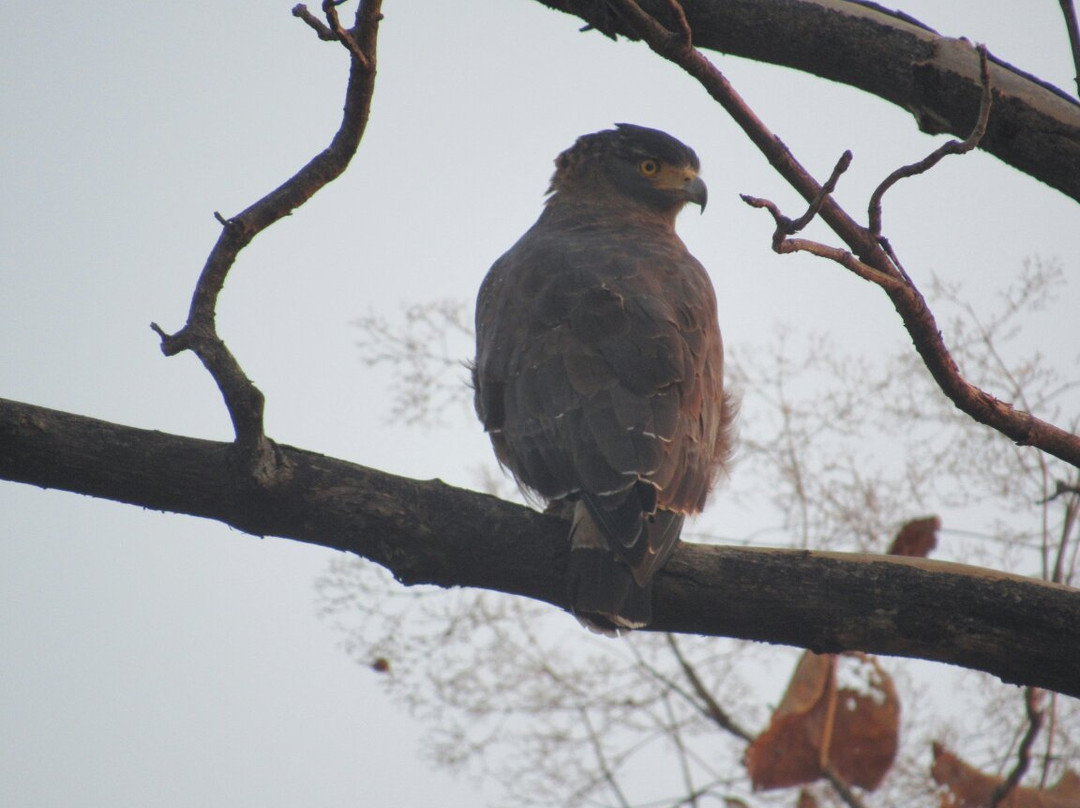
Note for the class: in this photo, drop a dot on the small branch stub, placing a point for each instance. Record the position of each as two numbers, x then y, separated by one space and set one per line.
332 30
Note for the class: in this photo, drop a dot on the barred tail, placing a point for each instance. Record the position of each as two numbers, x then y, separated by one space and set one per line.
606 593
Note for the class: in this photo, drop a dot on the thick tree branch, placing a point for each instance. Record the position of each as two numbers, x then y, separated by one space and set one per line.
1035 127
1016 628
244 401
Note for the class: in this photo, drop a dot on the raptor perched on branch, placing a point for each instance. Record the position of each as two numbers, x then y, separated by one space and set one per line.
599 364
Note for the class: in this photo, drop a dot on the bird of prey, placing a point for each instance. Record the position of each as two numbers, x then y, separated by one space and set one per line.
599 365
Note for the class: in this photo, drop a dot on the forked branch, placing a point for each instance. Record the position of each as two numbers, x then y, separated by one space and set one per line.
708 703
243 399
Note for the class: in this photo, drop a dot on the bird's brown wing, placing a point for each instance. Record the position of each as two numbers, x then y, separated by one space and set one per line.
599 374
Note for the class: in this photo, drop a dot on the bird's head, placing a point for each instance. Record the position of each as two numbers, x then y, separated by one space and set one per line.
630 164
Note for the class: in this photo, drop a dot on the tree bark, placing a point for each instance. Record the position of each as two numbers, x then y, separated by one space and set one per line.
1034 126
1022 630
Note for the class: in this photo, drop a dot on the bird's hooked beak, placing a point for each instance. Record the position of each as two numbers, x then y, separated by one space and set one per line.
696 191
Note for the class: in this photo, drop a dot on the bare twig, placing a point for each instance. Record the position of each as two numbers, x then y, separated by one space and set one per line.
869 257
1069 10
1068 526
602 762
675 734
1060 489
1032 697
243 399
842 789
951 147
691 697
788 227
334 32
841 166
342 35
317 25
712 707
1047 756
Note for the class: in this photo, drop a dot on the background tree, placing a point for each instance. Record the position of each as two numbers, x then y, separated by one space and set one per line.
557 718
137 141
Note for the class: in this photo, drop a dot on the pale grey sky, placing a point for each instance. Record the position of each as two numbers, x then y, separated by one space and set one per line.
150 659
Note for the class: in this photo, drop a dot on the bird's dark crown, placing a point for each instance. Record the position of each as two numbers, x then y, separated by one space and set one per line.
613 164
629 141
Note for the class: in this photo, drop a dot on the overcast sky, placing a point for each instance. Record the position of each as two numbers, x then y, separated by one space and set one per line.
150 659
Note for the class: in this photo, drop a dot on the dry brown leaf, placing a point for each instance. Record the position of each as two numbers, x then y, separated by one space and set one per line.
806 800
788 752
858 721
1068 787
917 538
813 675
866 730
967 787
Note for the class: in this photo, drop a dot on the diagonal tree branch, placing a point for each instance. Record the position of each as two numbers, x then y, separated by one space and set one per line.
601 760
870 258
1019 629
243 399
1035 716
1035 127
709 705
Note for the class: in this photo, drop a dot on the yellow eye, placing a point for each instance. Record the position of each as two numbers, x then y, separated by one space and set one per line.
650 167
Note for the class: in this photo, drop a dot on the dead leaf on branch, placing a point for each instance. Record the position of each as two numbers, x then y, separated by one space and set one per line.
380 665
866 733
916 538
967 787
788 752
848 723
